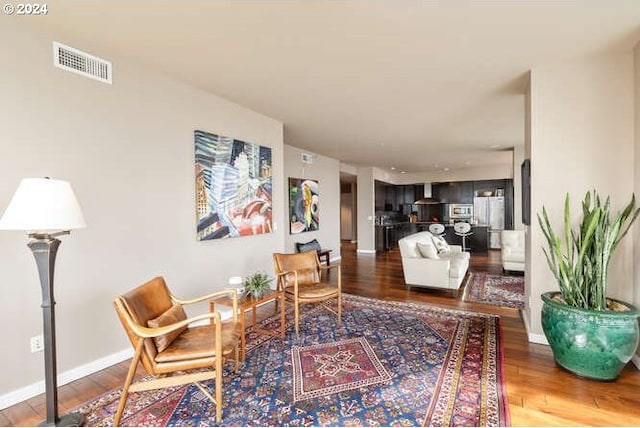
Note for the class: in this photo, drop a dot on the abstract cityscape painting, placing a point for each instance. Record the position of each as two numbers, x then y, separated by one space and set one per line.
233 187
304 205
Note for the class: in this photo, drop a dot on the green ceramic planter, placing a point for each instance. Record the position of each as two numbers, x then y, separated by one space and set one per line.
592 344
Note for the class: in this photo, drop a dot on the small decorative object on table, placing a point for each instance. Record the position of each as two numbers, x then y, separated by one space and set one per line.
237 283
256 284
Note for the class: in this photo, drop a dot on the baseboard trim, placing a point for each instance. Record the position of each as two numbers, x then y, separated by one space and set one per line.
29 391
366 251
336 259
636 361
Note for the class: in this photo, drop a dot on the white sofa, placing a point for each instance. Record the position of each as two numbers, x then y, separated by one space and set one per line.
439 270
512 245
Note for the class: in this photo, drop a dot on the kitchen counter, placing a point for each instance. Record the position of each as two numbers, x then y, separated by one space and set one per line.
388 235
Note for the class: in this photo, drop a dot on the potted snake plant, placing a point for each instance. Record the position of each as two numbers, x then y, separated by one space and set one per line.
590 334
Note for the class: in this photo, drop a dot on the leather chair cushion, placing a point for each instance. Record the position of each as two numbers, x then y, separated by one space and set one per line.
199 342
306 264
172 315
317 291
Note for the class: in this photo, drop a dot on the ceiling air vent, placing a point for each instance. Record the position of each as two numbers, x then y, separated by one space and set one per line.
79 62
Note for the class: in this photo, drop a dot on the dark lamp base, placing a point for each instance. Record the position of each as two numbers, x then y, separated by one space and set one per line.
69 420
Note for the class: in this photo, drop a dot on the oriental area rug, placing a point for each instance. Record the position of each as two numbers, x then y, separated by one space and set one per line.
497 290
388 364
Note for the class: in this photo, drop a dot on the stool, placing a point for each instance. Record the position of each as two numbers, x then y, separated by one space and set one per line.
463 230
436 229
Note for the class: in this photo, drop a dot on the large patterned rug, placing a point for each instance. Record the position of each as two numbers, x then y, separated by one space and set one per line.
495 290
388 364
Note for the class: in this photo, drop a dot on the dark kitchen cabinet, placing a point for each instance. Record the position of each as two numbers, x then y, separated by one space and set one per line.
410 194
389 197
379 195
454 192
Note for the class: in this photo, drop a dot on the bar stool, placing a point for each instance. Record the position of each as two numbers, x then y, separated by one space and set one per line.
436 229
463 230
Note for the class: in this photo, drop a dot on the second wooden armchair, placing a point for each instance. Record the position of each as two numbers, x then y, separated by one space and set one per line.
301 277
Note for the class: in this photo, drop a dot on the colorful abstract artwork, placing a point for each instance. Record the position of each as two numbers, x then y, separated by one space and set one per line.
303 205
233 187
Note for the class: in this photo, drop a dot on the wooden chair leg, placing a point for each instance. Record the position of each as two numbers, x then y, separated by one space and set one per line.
339 309
237 359
127 383
297 316
218 389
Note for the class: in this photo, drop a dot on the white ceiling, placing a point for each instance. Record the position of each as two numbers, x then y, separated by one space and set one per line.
409 84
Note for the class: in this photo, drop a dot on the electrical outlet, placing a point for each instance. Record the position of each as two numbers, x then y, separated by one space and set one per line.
37 343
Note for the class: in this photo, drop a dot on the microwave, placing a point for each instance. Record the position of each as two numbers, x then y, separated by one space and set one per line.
457 211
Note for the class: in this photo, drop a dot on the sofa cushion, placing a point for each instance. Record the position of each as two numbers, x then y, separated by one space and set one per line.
427 250
441 244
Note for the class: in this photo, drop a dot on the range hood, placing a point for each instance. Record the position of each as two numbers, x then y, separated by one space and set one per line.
427 199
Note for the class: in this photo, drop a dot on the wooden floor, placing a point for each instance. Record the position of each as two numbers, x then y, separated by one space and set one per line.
539 392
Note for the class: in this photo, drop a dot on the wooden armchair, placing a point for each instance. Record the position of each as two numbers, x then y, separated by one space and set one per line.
300 276
159 331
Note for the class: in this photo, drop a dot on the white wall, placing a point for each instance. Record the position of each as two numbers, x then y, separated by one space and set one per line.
518 157
365 211
128 150
327 171
582 137
348 213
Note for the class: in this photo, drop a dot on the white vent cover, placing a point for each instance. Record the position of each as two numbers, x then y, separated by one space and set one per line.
307 158
79 62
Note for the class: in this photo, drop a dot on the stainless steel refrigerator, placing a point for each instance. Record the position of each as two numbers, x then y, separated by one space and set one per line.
489 211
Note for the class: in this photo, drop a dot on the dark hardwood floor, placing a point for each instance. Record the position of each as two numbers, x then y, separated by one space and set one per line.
539 392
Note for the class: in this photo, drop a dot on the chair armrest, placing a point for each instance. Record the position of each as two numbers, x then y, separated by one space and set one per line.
280 279
231 291
148 332
227 291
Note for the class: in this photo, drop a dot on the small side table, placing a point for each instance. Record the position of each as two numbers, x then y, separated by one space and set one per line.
326 253
249 302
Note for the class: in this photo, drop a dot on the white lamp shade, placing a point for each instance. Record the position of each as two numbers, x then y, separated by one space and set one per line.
43 205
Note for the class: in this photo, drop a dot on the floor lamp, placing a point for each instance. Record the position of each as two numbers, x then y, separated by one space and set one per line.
46 209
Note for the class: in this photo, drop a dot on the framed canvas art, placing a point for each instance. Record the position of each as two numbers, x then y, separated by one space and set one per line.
304 204
233 187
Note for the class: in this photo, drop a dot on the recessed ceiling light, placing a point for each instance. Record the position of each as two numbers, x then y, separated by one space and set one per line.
446 169
467 163
403 172
494 146
393 168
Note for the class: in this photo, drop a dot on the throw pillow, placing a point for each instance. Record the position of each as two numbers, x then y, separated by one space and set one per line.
427 250
172 315
441 244
308 246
